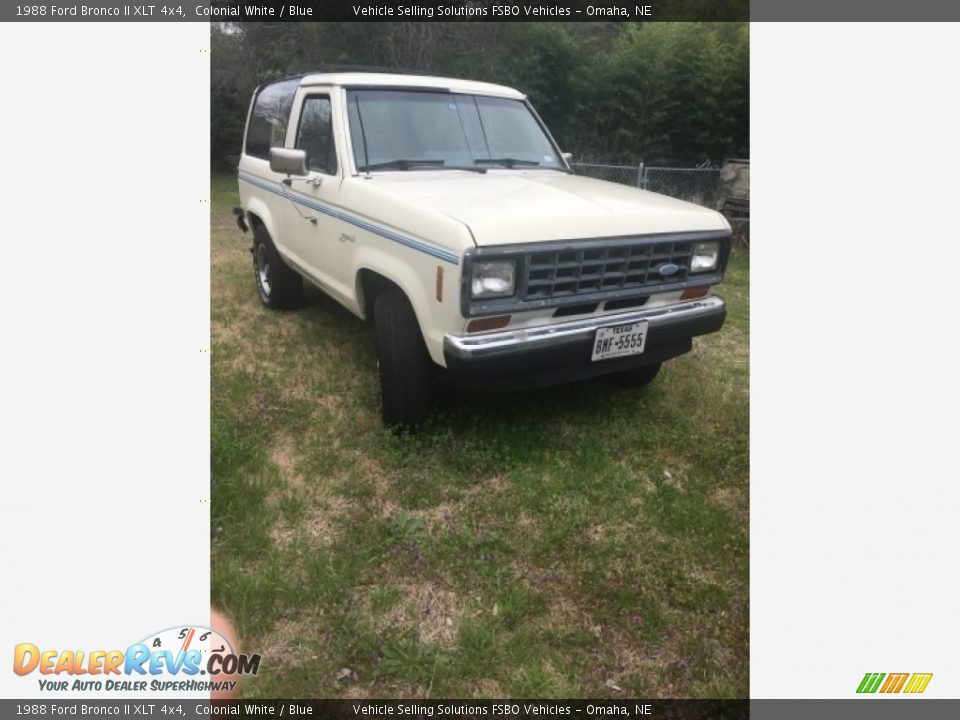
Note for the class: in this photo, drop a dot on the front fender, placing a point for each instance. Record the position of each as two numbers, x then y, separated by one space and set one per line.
255 206
418 283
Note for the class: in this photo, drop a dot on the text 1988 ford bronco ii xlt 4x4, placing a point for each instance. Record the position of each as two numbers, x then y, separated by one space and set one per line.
444 209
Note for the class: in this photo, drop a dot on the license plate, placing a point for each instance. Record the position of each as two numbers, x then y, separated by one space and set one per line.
620 340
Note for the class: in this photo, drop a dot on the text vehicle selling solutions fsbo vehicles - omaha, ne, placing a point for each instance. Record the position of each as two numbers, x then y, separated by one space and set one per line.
444 210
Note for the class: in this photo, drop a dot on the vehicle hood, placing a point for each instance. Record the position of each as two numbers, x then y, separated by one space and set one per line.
503 207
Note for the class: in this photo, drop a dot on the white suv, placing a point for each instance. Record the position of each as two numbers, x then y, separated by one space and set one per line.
444 209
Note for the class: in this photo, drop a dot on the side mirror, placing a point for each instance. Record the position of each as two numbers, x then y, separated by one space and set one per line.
567 156
288 161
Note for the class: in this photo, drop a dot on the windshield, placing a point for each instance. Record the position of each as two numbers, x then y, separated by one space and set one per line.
412 130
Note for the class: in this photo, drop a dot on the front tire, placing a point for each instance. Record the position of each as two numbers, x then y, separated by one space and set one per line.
404 363
280 287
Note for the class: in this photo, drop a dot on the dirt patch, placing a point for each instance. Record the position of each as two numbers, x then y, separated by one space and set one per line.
488 688
388 508
283 454
321 524
726 497
624 658
490 485
564 613
438 518
292 643
282 534
431 610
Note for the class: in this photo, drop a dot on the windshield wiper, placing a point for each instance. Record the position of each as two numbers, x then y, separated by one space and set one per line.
401 164
466 168
507 161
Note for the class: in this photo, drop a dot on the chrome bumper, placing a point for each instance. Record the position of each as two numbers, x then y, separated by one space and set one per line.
521 340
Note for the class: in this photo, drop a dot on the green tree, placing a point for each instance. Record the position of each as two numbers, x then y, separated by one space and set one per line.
674 93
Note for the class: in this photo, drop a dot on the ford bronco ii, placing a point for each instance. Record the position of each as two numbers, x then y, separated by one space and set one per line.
444 210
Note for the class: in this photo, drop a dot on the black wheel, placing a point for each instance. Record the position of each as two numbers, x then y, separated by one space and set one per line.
405 387
638 377
280 287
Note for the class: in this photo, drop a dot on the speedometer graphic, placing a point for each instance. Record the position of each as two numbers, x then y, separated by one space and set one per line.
193 650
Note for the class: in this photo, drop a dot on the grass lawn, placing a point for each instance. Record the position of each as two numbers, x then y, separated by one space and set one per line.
581 541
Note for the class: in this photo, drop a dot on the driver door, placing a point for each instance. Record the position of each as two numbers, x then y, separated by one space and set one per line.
314 199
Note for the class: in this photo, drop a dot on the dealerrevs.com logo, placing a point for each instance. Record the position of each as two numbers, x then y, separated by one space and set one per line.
911 683
178 659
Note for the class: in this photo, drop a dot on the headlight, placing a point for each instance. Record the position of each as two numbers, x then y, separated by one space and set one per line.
492 279
706 256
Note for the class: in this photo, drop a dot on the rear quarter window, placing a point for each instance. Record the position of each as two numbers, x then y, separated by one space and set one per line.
270 117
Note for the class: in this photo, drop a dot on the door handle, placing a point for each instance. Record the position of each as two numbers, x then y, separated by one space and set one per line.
315 182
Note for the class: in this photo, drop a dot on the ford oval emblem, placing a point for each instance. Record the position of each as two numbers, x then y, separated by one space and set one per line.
668 269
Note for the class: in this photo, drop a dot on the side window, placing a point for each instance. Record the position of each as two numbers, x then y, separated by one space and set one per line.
315 134
268 121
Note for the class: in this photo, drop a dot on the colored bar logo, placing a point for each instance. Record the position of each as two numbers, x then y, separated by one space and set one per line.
894 683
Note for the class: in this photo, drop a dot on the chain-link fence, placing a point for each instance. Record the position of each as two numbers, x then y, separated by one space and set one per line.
698 185
623 174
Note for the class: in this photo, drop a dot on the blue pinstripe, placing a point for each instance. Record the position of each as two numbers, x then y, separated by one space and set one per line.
409 242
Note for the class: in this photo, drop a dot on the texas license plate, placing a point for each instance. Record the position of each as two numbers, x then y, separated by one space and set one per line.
620 340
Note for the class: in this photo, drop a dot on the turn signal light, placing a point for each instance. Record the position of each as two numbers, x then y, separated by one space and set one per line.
694 293
488 323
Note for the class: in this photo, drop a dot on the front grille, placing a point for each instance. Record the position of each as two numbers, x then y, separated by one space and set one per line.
586 271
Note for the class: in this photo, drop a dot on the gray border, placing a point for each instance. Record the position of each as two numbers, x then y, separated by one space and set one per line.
124 11
863 708
853 10
760 10
874 708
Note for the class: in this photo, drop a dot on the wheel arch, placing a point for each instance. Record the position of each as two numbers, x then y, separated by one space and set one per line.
373 274
258 215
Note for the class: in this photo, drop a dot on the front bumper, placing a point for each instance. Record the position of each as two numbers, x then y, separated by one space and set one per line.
561 352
